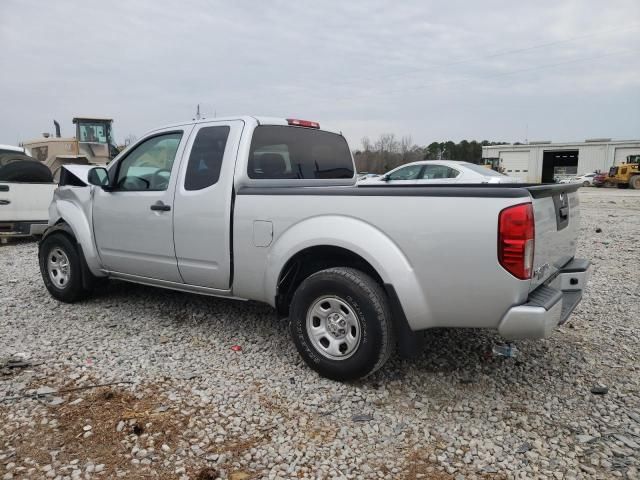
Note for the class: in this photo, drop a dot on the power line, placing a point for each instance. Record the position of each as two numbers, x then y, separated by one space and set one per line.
543 45
501 53
503 74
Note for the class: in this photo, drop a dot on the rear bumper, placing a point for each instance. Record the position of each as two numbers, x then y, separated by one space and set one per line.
548 305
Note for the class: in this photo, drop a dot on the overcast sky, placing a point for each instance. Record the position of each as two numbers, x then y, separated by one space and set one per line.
553 70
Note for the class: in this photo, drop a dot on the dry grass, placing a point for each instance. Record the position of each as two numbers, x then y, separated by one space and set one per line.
418 466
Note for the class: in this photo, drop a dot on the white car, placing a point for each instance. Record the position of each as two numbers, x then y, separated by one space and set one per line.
439 171
367 176
586 180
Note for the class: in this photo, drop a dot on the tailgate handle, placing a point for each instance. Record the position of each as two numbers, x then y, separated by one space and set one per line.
5 202
564 212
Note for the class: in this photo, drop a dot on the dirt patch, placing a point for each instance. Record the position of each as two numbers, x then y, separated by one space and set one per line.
419 466
87 432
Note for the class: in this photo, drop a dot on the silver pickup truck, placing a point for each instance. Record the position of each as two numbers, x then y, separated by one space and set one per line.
268 209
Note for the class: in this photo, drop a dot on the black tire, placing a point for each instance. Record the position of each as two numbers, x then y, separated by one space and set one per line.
23 170
585 183
6 158
371 309
634 182
72 288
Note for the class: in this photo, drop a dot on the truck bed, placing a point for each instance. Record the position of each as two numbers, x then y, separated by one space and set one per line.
445 242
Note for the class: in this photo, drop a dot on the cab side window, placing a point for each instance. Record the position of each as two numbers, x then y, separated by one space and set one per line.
205 160
148 166
407 173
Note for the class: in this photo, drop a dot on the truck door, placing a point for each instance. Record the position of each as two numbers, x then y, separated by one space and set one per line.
203 202
133 224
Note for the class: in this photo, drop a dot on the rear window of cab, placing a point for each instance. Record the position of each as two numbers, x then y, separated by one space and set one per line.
285 152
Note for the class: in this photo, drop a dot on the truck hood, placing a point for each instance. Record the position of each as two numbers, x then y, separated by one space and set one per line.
79 171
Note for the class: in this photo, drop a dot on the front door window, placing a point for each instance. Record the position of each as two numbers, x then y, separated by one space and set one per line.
148 166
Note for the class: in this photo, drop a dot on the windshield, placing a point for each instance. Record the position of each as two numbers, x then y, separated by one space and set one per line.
94 132
487 172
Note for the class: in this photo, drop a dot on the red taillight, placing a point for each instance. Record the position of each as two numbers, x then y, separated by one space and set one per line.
303 123
516 240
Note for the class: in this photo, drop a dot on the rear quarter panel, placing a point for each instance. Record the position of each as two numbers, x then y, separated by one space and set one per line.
440 253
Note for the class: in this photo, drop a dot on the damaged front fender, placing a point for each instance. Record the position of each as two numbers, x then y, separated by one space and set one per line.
72 205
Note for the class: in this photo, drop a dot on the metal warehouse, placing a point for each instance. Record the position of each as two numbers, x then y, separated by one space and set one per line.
544 161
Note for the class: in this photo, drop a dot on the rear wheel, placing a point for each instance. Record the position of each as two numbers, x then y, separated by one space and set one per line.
634 182
61 268
341 323
585 183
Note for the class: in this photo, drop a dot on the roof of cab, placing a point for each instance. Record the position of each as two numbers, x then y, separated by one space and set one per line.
259 120
98 119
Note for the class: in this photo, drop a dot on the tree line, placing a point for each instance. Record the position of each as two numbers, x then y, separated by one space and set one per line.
389 152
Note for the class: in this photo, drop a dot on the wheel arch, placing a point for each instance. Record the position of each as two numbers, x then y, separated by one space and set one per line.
306 248
70 218
63 228
310 260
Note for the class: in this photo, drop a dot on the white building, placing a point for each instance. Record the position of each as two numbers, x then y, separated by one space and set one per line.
543 161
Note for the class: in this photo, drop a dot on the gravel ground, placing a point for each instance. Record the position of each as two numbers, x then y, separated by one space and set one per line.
195 407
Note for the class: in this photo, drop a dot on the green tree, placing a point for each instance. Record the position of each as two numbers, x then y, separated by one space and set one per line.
433 151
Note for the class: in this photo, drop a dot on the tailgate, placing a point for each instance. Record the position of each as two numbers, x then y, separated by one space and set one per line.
557 216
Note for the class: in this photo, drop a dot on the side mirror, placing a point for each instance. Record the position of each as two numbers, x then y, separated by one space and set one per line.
99 177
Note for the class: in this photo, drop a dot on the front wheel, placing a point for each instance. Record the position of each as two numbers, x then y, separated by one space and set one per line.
634 182
60 268
341 323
